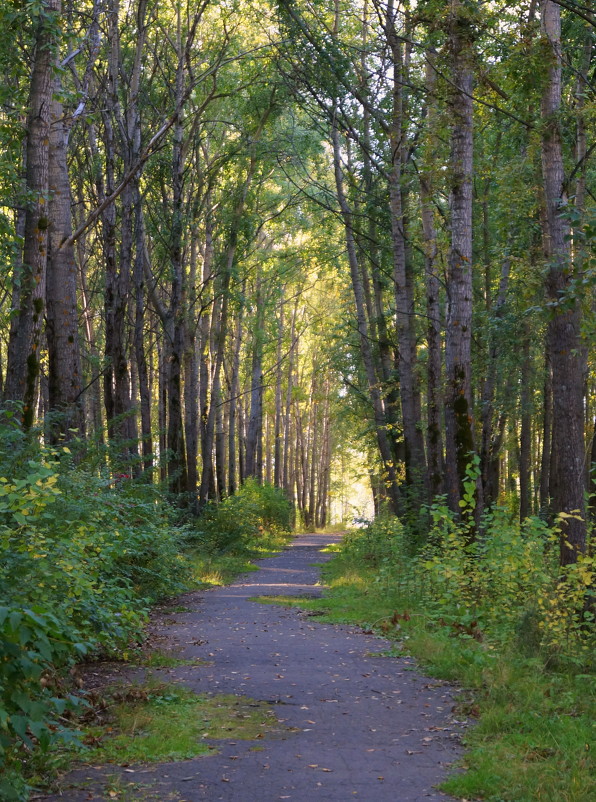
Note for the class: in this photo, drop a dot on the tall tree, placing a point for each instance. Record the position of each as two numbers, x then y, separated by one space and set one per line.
24 344
563 339
459 433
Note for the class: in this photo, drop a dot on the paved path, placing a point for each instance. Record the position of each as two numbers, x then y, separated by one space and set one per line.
367 728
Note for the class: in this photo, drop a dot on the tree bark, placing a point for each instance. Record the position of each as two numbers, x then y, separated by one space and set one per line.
139 335
458 396
278 424
234 390
525 445
404 306
24 344
62 332
563 338
255 422
365 346
488 448
547 413
434 398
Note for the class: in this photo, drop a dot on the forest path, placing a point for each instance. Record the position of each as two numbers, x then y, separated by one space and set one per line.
366 727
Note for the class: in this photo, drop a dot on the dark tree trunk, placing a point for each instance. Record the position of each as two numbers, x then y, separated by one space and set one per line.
191 386
287 462
490 446
139 333
278 425
234 390
563 338
24 344
404 305
162 404
525 445
380 421
255 422
434 402
458 396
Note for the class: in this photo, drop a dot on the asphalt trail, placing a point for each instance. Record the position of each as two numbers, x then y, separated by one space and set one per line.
353 726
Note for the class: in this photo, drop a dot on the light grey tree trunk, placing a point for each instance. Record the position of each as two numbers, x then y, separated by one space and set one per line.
62 330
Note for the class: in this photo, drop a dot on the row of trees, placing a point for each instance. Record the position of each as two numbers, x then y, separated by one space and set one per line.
157 296
227 226
460 137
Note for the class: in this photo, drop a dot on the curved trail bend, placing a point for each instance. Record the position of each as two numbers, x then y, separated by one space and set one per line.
366 728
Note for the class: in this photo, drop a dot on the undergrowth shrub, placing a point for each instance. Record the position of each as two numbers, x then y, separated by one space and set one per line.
241 520
82 557
488 607
34 647
502 588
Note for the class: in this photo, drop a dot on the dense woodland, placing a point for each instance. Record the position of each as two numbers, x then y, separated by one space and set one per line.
247 240
220 218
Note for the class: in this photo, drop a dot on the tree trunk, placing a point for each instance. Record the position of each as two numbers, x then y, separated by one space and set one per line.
139 332
525 445
458 396
234 390
563 338
255 421
64 359
277 435
404 307
487 452
365 346
434 402
547 414
287 462
24 344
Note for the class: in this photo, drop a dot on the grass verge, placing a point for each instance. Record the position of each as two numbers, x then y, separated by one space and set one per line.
212 569
167 722
153 723
535 720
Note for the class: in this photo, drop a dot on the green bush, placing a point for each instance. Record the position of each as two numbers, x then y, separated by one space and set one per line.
240 520
82 557
34 645
493 587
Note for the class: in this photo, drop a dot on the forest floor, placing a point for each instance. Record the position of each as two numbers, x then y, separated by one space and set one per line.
339 719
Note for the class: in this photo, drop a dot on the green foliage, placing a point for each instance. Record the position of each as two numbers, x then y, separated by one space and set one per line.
496 615
33 645
238 522
82 556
